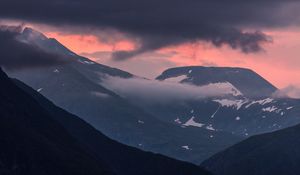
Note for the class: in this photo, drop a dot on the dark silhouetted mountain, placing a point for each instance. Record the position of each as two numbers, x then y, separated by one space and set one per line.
249 83
119 158
272 153
76 88
33 143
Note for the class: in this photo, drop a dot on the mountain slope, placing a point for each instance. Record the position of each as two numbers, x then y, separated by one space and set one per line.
239 116
32 143
272 153
248 108
90 69
123 160
249 83
120 120
76 88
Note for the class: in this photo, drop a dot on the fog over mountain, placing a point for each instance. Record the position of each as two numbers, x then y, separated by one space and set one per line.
81 84
199 110
154 91
36 132
288 92
149 87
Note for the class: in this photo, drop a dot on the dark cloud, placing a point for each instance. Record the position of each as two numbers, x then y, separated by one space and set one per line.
159 23
17 54
245 41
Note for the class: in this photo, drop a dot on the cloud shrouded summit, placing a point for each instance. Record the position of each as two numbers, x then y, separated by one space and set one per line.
159 23
18 54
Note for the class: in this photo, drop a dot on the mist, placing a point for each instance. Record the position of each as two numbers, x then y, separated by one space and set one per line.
154 91
290 91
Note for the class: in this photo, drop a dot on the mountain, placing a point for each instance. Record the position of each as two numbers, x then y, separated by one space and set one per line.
272 153
249 83
239 116
87 67
76 88
33 143
39 138
243 111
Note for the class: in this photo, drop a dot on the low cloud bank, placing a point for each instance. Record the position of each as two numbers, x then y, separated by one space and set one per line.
288 92
154 91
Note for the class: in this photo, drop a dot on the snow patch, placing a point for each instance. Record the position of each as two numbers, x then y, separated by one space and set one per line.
56 71
89 62
231 103
291 107
191 122
261 102
86 62
186 147
269 109
210 127
40 89
177 121
100 94
141 122
226 87
177 79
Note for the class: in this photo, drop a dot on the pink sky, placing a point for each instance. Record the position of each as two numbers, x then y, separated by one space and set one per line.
279 63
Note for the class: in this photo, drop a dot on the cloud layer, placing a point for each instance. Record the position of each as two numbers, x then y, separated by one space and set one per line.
154 91
17 54
288 92
159 23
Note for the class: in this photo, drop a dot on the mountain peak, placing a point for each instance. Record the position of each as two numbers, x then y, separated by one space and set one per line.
31 34
245 80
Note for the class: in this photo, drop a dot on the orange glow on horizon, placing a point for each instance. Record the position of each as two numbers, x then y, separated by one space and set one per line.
89 43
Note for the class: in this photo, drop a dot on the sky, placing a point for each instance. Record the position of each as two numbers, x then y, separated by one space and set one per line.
147 37
279 62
